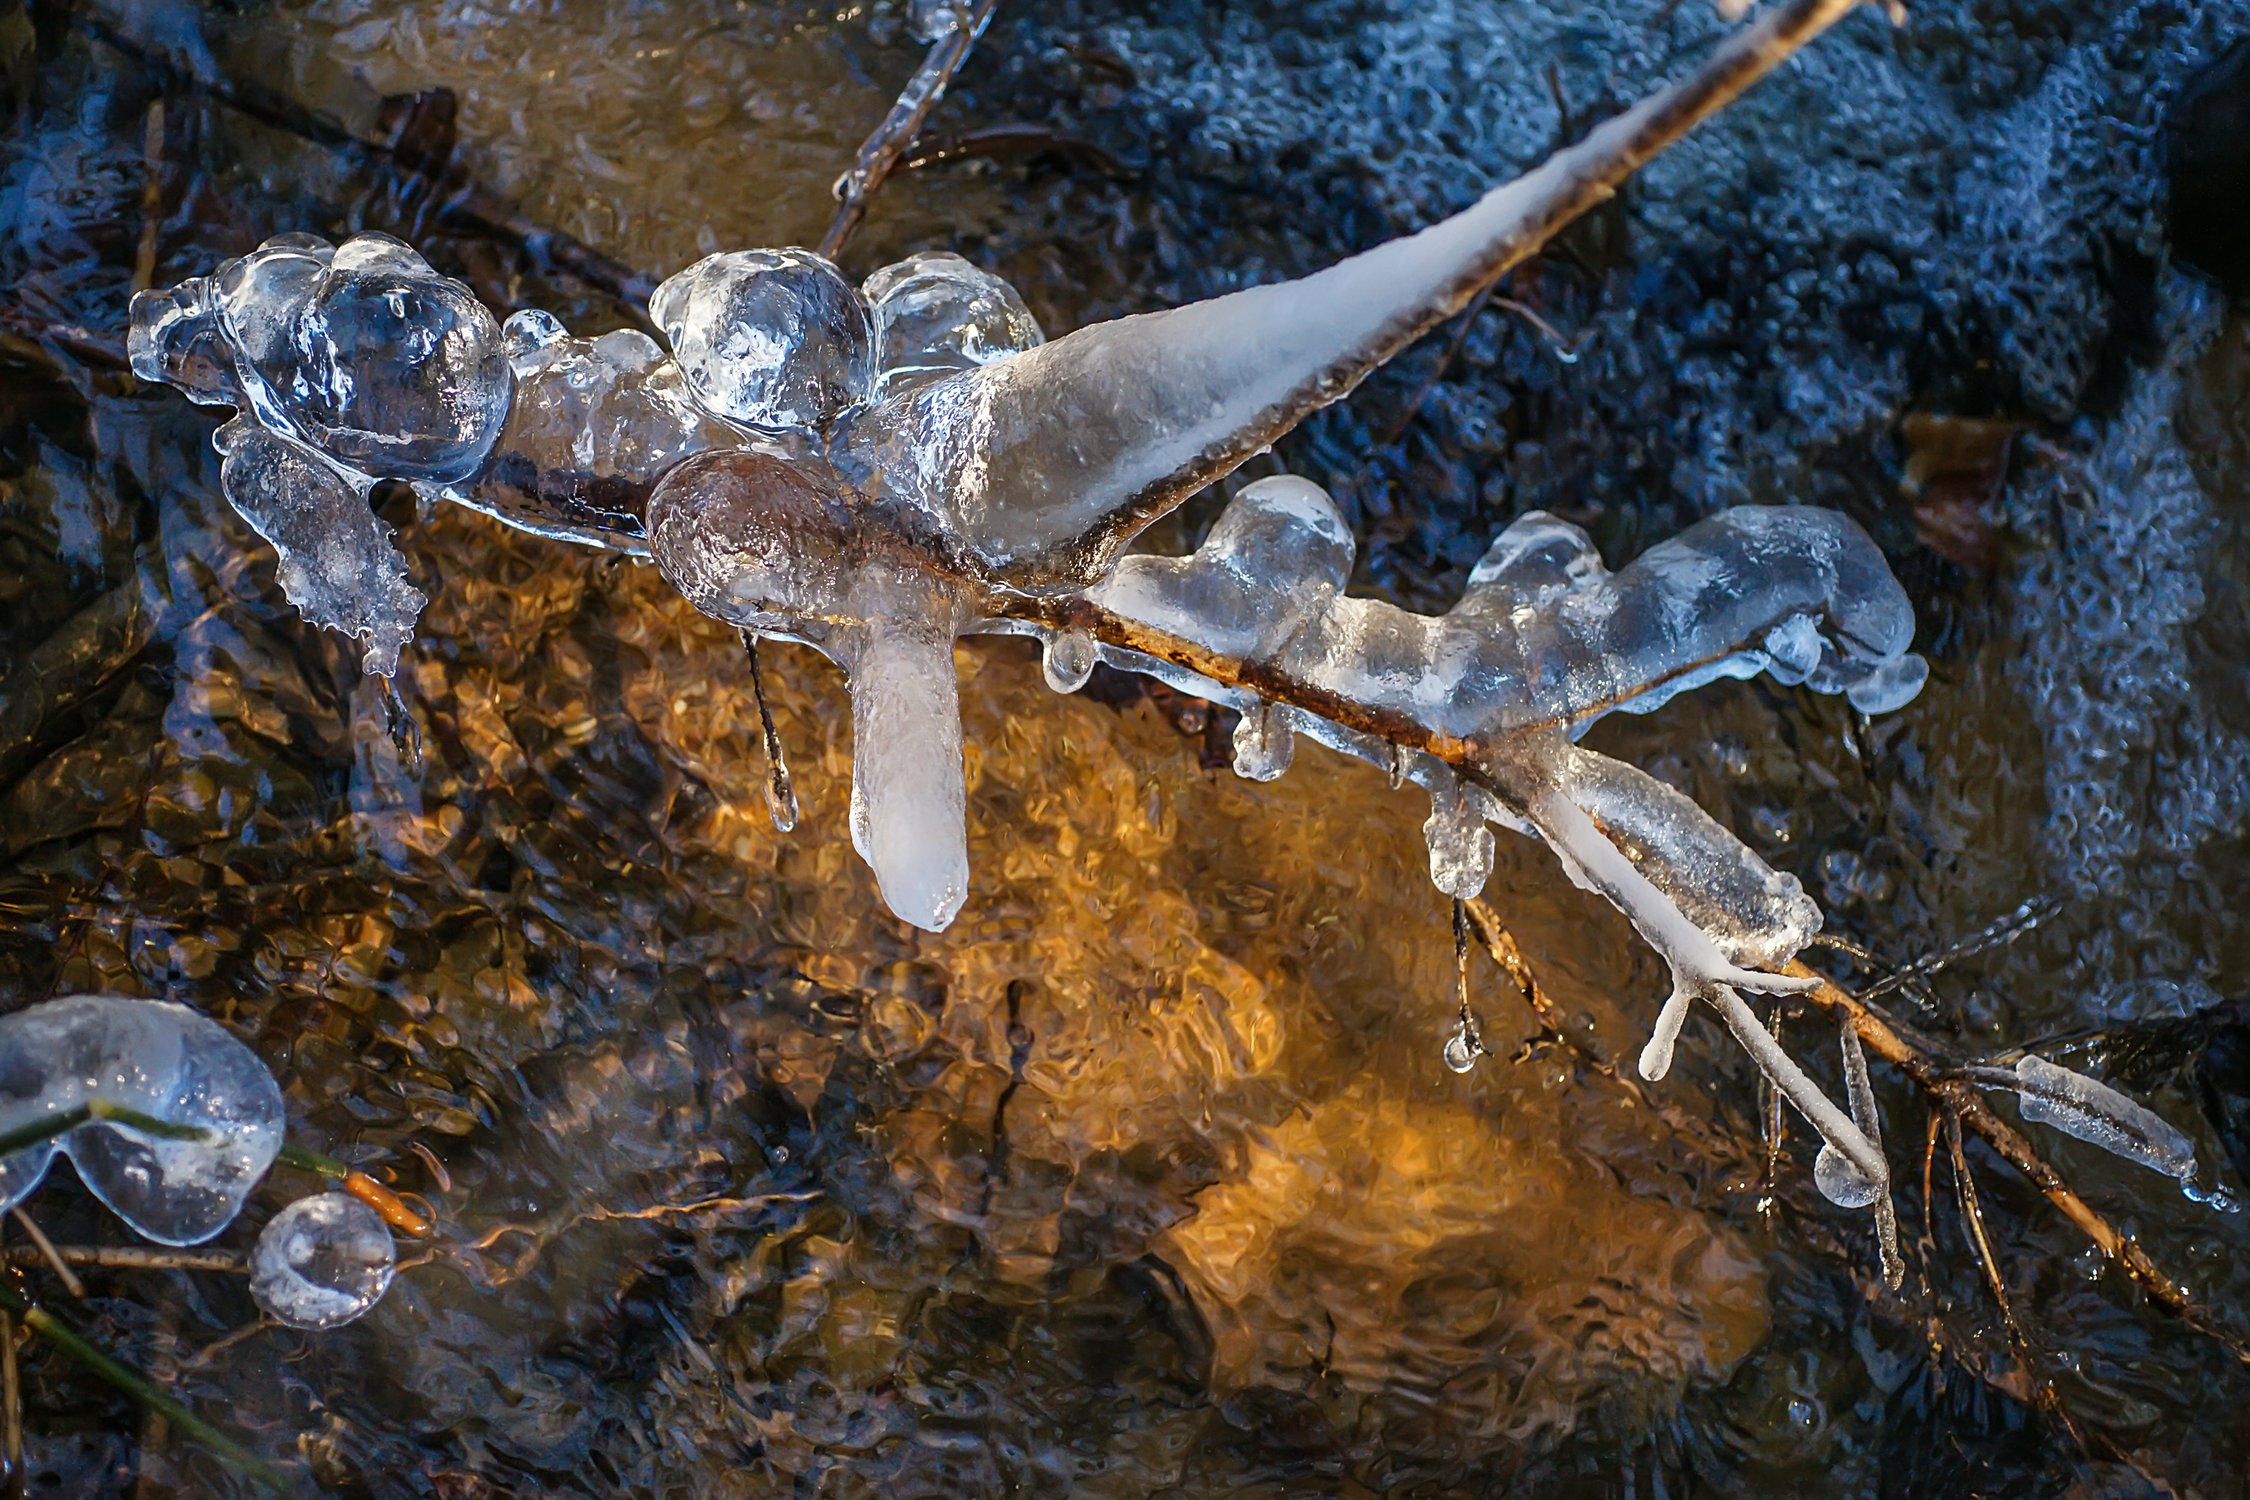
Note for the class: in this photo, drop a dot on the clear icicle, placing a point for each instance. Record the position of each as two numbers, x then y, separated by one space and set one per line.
1461 846
1263 744
2098 1114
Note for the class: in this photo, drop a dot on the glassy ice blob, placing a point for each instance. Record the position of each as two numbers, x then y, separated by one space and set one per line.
936 312
363 352
322 1261
154 1059
774 338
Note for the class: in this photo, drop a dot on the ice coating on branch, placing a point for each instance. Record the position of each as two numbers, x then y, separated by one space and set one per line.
936 313
348 364
338 565
773 338
322 1261
595 423
2096 1113
139 1058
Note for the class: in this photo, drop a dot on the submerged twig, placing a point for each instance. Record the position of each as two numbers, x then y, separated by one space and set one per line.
1935 1073
889 142
132 1383
127 1258
1980 1246
464 204
42 1250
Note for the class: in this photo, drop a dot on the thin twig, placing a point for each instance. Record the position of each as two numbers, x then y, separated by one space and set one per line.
43 1249
1932 1070
1980 1246
1501 944
883 149
543 1235
127 1258
464 204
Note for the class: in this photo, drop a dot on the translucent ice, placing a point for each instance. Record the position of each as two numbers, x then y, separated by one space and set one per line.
2093 1111
752 540
595 423
936 313
349 364
1067 659
150 1072
774 338
338 565
322 1261
362 352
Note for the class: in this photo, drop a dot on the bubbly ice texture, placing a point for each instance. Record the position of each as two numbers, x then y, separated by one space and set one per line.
771 338
362 352
594 424
322 1262
154 1059
936 313
2094 1112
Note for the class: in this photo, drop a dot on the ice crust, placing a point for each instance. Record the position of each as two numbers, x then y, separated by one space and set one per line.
322 1262
157 1059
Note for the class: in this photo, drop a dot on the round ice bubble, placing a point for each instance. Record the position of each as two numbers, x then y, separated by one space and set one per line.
774 338
185 1119
322 1261
936 312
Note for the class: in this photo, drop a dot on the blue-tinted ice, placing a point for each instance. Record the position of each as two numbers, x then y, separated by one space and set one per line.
152 1058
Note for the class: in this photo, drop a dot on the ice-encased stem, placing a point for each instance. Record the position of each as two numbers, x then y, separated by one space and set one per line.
1834 1125
2094 1112
1862 1093
909 804
1162 404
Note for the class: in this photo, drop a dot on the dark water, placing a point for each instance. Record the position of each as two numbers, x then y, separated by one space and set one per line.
1146 1178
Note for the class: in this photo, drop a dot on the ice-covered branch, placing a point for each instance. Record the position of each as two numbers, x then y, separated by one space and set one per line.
878 470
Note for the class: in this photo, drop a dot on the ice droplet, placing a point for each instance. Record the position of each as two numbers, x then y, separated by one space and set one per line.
1066 659
1840 1182
1263 744
322 1261
1462 1050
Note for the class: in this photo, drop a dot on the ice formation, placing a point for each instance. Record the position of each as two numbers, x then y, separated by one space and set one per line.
2094 1112
322 1261
877 471
176 1119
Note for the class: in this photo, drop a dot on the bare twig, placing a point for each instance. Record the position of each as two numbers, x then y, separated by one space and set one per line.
1501 944
464 204
1980 1246
129 1258
43 1250
896 133
1932 1070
